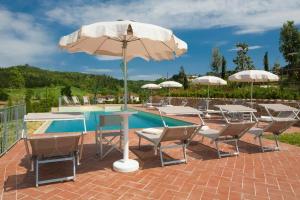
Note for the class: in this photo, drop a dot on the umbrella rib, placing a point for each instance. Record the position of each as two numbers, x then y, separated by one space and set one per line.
145 48
101 44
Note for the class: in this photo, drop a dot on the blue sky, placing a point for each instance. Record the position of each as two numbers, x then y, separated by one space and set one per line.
30 31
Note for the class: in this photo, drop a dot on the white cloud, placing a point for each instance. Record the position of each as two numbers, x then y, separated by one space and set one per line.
150 77
250 48
246 16
22 40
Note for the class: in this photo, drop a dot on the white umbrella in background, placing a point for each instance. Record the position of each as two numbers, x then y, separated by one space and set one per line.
253 76
209 80
151 86
125 39
170 84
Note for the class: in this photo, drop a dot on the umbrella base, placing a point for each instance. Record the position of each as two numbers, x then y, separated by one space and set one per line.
126 166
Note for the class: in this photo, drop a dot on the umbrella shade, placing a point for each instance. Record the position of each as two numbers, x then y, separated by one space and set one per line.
151 86
126 39
209 80
254 76
170 84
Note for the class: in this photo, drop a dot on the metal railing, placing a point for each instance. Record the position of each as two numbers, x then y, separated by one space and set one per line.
11 125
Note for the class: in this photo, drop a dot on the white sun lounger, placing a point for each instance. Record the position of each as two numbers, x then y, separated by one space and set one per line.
157 137
86 100
283 111
75 100
66 100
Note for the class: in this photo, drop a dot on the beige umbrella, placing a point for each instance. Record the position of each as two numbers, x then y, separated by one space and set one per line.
126 39
151 86
253 76
170 84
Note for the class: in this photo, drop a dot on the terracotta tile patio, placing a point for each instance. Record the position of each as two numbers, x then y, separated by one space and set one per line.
251 175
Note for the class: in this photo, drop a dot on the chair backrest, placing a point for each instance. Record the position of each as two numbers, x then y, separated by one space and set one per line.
110 120
86 100
286 114
48 145
66 99
179 133
278 126
236 129
202 104
75 99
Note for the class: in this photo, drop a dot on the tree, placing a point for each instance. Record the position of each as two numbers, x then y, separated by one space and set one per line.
266 62
66 91
3 95
289 43
223 71
276 68
242 60
216 60
181 78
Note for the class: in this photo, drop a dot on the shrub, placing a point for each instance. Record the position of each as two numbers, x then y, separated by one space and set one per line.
3 95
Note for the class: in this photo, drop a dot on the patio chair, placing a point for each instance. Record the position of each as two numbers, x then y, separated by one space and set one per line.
49 148
75 100
86 100
66 100
276 127
110 138
158 137
232 132
184 102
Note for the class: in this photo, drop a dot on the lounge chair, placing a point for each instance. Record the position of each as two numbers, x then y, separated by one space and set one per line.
86 100
66 100
157 137
75 100
276 127
232 132
49 148
112 138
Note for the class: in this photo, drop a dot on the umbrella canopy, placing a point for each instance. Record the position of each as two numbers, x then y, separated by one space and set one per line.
209 80
170 84
253 76
256 76
126 39
151 86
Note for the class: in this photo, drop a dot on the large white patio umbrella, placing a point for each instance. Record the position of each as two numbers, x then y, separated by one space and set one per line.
126 39
170 84
253 76
209 80
151 86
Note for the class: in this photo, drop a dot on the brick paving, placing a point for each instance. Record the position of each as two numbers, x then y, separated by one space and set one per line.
251 175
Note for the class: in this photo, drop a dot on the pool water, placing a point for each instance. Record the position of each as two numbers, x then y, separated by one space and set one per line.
139 120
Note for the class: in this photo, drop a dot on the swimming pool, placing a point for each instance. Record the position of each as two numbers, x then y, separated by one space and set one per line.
139 120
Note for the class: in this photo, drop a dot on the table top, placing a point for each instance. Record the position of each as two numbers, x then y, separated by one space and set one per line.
235 108
54 116
277 107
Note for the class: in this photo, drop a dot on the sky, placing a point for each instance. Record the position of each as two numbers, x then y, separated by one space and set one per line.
30 31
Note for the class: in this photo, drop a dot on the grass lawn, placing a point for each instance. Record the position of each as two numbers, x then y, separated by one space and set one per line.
290 138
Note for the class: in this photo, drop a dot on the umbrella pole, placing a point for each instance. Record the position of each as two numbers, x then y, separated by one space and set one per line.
251 92
207 102
124 48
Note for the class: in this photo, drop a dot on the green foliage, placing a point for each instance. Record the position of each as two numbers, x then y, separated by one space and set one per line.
266 61
242 60
216 60
224 67
290 138
276 68
11 78
3 95
289 42
181 78
66 91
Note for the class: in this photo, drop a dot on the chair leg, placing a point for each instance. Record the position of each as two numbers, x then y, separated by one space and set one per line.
101 147
260 143
74 167
217 146
276 142
184 152
237 147
36 173
161 157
